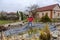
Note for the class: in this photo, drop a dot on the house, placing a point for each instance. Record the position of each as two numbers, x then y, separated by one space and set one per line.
53 11
11 15
8 16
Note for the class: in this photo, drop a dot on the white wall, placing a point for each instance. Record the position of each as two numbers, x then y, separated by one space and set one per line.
40 13
55 12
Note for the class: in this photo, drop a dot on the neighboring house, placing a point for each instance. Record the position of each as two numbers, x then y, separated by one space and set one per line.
11 15
3 13
53 11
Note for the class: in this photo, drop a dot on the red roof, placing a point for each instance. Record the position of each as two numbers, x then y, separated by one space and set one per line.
50 7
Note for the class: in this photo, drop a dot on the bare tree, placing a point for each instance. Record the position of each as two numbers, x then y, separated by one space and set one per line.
32 9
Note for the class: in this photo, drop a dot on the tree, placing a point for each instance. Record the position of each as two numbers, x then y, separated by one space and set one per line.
46 19
17 15
2 16
32 9
24 17
21 14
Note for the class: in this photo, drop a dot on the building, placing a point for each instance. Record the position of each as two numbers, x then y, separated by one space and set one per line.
11 14
53 11
8 16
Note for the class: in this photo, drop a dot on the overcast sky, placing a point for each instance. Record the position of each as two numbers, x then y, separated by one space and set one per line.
14 5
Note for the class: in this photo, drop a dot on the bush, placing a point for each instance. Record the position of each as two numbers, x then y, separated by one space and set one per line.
37 20
30 31
45 19
43 36
45 33
48 32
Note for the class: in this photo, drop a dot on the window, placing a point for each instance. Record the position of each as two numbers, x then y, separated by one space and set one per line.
42 14
47 13
54 12
58 14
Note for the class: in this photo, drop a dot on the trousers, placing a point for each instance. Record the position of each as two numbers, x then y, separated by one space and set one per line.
30 24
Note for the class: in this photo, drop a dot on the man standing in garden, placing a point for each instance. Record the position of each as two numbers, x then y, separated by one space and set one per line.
30 19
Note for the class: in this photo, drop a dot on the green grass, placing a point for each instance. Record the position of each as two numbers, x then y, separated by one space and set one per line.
7 21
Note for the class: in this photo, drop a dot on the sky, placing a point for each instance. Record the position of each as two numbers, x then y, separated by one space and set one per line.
21 5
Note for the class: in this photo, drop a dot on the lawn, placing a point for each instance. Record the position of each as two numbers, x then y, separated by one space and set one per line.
7 21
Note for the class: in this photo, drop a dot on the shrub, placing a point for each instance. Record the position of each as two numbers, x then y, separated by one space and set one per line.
45 33
45 19
43 36
30 31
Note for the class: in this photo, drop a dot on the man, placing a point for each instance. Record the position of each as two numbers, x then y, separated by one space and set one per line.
30 19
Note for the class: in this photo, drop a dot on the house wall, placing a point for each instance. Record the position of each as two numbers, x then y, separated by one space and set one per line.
41 14
56 12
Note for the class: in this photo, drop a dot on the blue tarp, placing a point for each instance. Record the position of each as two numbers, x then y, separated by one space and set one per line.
25 28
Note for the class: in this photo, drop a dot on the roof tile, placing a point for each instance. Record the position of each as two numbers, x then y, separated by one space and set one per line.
50 7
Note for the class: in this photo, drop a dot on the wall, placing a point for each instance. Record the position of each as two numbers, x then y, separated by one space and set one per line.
43 13
56 12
